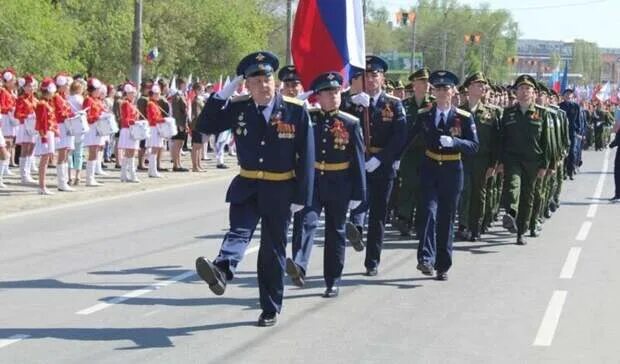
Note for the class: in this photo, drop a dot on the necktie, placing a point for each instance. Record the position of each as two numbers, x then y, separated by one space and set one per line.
442 122
261 109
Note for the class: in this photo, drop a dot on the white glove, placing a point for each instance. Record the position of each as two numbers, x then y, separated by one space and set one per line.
361 99
229 89
296 208
446 141
396 165
354 204
304 95
372 164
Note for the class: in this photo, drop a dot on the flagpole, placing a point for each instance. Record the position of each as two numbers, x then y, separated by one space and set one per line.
366 115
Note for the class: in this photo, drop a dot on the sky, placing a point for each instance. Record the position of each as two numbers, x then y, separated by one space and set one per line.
564 20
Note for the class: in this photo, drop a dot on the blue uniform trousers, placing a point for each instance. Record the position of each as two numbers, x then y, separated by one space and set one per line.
440 186
379 190
272 252
305 226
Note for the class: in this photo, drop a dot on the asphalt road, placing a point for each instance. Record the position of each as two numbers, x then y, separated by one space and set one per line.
113 282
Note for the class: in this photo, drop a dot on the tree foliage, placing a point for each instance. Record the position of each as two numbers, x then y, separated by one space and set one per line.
205 38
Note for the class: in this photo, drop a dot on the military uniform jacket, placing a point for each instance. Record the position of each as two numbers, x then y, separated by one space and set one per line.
179 111
411 110
602 118
554 137
563 137
525 137
574 115
388 131
281 144
338 139
487 127
459 124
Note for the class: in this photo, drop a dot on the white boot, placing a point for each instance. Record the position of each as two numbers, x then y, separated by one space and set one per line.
7 171
61 175
24 171
98 170
90 174
34 168
131 170
4 167
124 171
153 173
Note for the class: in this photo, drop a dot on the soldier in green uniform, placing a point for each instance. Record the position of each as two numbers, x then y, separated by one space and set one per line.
413 153
602 120
564 145
480 166
543 185
495 183
524 155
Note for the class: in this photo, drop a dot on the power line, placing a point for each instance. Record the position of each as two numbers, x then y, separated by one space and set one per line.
397 3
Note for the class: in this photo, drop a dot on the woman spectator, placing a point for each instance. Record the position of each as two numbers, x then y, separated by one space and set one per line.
76 156
198 139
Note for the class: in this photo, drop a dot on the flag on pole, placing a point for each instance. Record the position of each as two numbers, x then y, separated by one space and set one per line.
564 83
604 92
328 35
555 79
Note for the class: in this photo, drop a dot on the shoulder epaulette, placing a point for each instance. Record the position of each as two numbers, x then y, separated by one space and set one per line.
313 109
467 114
241 98
425 109
348 116
293 100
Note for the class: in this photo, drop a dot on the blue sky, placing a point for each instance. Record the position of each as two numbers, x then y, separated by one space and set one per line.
593 20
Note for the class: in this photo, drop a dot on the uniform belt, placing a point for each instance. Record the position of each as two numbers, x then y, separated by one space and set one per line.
443 157
374 150
267 176
322 166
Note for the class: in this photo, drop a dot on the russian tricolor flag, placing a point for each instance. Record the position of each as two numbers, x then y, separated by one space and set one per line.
328 35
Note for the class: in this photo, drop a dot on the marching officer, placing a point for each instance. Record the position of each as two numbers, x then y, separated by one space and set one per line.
524 155
339 184
482 164
448 132
413 153
275 147
387 136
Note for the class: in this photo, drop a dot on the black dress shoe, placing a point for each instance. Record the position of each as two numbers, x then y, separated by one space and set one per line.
331 292
354 236
212 274
222 166
402 226
521 240
295 272
509 223
267 319
371 272
442 276
426 269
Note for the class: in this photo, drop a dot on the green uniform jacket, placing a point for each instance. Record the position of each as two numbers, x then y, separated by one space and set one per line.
487 124
525 137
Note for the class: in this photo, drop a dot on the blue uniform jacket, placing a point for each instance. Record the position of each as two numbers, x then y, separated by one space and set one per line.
388 131
575 118
459 124
338 139
285 143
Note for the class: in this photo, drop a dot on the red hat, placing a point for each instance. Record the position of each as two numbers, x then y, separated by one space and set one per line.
29 80
94 83
48 85
8 74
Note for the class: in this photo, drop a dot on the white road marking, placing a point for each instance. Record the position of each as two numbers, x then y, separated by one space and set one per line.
584 231
12 340
550 320
598 191
571 263
141 292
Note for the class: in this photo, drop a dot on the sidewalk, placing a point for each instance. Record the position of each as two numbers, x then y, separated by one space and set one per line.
18 198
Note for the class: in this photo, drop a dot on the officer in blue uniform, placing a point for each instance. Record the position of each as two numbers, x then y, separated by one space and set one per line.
339 184
575 131
388 133
291 84
448 132
275 146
